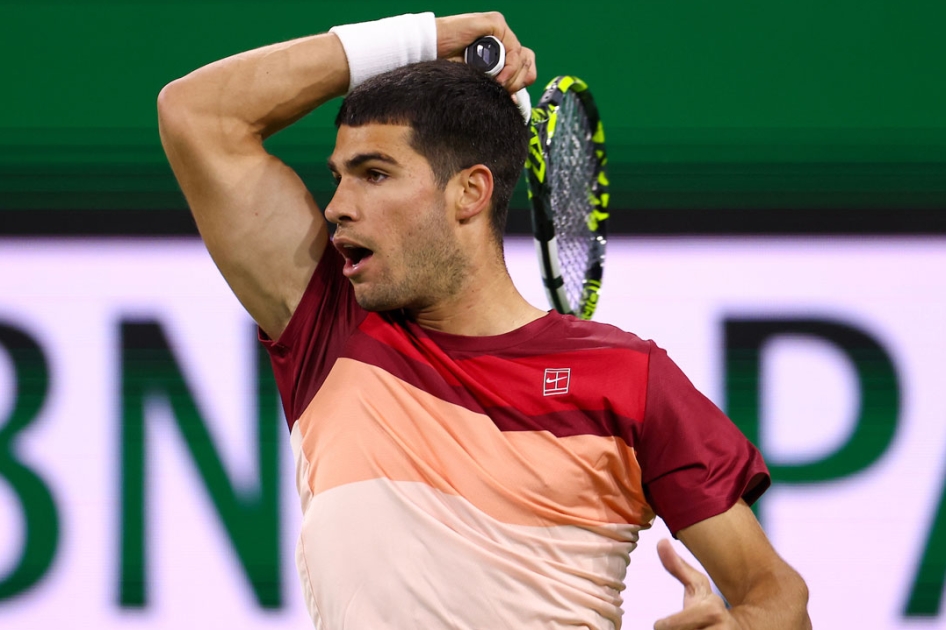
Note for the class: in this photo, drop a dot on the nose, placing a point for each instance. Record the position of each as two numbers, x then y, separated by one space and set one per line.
341 207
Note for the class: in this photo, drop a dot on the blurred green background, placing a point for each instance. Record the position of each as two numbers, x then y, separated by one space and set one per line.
714 111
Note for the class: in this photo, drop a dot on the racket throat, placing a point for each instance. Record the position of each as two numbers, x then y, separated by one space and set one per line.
547 252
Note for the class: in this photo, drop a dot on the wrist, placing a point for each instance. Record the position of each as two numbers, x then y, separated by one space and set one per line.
373 48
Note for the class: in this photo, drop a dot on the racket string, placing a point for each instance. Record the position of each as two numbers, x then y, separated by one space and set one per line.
572 164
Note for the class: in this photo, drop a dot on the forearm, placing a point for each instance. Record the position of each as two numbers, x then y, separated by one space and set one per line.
765 592
260 91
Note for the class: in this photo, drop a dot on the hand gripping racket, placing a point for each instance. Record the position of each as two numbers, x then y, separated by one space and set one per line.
488 55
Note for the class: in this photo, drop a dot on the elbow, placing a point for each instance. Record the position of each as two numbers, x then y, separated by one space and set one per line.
191 110
172 106
166 99
183 115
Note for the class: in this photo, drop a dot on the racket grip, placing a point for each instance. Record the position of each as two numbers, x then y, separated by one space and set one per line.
524 101
488 55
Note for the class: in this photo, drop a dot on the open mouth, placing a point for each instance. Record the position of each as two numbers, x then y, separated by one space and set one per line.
354 255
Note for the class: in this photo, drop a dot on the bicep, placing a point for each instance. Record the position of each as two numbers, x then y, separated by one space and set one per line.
260 224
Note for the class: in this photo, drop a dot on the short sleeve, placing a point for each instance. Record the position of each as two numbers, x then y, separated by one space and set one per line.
695 463
315 336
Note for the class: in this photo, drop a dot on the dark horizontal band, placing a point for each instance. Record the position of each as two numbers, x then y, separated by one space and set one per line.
637 221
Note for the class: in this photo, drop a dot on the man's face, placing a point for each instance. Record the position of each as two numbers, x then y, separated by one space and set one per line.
393 223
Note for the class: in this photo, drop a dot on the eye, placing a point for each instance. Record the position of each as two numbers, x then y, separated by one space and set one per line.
375 176
336 179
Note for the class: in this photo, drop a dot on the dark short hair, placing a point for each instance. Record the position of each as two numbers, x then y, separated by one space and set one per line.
459 117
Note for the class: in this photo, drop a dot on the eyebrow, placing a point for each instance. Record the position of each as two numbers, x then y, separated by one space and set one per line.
356 161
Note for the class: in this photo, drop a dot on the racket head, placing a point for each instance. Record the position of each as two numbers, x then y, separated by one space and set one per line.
568 192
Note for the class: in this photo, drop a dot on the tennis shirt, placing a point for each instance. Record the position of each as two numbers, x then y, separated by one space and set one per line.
487 482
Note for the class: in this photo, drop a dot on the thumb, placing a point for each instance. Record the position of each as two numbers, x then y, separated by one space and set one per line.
695 583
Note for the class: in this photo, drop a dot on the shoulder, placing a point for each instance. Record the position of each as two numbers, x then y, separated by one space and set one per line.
591 335
620 360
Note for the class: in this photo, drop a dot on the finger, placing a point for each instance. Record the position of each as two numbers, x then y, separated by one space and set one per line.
456 32
506 35
519 71
694 581
709 613
677 622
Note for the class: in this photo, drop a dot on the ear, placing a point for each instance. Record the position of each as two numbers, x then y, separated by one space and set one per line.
473 191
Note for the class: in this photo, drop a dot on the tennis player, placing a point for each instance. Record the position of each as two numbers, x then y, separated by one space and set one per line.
464 459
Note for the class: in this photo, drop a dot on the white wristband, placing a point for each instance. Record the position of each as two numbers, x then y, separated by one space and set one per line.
376 47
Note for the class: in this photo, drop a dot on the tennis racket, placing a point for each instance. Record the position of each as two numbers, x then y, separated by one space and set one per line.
568 185
568 190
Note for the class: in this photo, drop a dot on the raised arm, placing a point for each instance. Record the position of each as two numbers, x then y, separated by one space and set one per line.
764 592
258 221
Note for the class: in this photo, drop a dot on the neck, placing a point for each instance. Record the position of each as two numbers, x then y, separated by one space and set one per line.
489 304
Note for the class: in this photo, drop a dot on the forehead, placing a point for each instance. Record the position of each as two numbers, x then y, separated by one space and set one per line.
374 138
